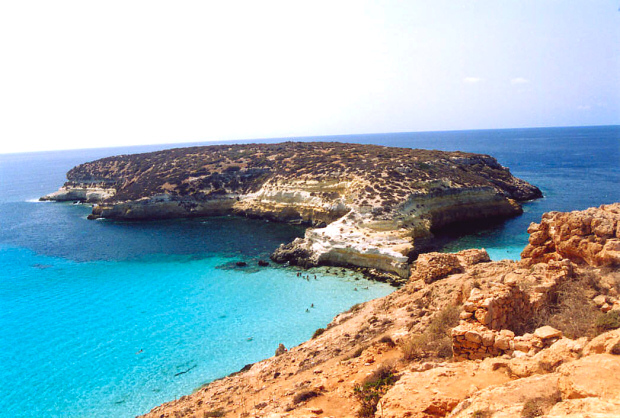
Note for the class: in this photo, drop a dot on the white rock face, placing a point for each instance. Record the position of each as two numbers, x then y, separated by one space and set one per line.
86 194
348 241
357 237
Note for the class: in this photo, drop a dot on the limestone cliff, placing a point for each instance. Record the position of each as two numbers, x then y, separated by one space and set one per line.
371 206
465 337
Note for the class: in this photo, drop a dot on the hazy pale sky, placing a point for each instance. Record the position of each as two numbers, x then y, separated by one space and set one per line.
81 74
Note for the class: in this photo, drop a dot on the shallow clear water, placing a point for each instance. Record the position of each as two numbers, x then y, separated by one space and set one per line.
102 318
115 338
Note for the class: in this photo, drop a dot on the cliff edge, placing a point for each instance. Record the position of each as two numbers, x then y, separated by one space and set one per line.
370 206
465 337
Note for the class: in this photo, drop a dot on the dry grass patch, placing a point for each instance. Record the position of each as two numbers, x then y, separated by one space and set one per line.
358 352
436 340
304 396
214 413
571 310
539 406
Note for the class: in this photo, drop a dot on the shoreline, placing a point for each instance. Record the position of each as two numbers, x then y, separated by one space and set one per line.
375 211
321 376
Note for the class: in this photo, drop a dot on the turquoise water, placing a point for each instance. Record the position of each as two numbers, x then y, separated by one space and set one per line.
115 338
101 318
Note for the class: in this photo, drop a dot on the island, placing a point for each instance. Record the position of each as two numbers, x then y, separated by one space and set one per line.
366 206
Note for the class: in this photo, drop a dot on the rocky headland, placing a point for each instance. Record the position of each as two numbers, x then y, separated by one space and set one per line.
464 337
367 206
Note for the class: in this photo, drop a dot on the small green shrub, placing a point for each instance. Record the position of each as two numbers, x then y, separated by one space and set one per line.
371 390
539 406
572 311
413 347
318 332
355 308
358 352
607 322
436 339
532 408
444 321
386 339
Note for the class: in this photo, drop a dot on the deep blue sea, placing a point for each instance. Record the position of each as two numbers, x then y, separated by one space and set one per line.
109 319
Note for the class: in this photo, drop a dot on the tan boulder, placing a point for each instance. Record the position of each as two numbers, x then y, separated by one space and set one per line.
548 360
608 342
596 375
599 300
562 351
437 391
488 338
547 332
507 400
585 407
473 337
502 343
610 255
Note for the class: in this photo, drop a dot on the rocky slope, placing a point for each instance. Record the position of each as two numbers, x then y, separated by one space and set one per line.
372 206
465 337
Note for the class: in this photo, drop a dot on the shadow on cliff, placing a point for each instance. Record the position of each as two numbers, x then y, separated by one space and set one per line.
449 234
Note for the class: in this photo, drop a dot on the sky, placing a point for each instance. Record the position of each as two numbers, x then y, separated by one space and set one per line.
91 74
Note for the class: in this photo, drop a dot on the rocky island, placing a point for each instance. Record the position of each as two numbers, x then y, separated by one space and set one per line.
367 206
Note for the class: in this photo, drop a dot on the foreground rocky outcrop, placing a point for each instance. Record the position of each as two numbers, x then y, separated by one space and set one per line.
589 236
465 337
373 207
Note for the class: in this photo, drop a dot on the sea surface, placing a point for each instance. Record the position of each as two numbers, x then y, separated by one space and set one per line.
110 319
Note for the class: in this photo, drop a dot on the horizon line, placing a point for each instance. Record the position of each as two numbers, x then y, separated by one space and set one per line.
292 137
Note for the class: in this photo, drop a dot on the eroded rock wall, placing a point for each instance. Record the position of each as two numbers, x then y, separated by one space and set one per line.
491 316
591 237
